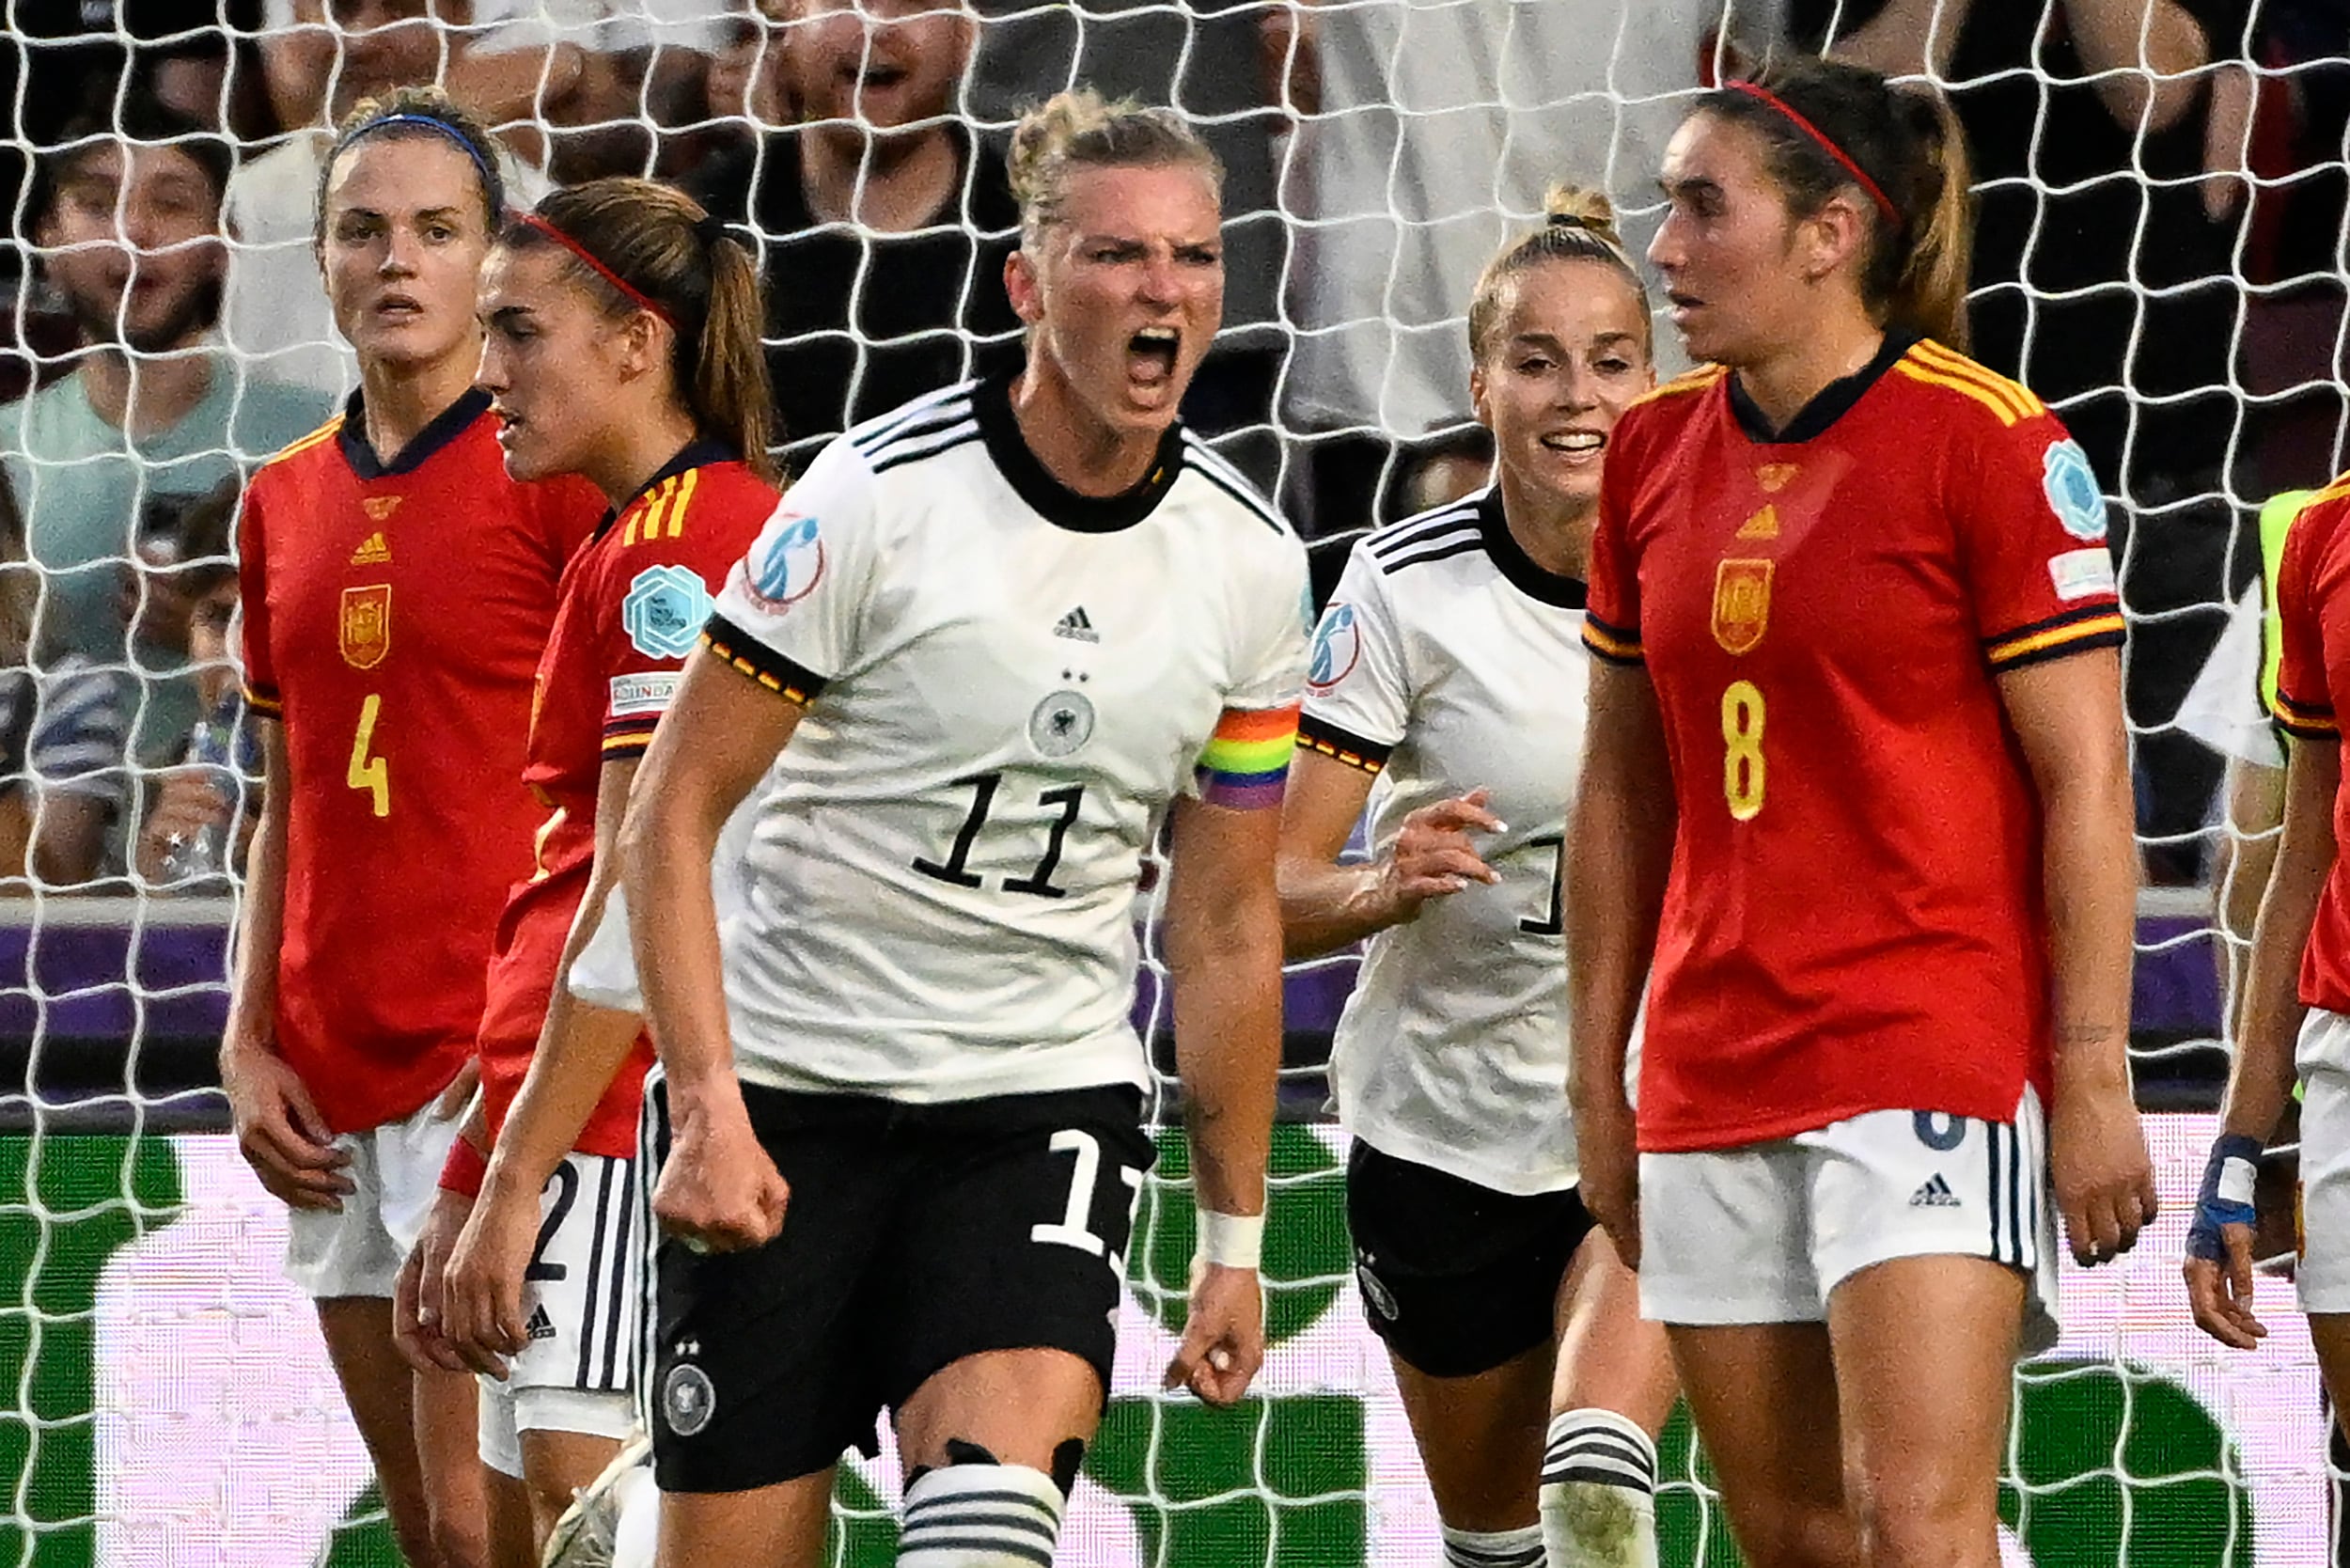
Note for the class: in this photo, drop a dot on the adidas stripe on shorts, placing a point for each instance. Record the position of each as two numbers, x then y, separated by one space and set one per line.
580 1299
1764 1234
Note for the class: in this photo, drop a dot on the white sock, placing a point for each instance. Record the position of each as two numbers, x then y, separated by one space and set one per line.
1599 1492
1494 1549
980 1516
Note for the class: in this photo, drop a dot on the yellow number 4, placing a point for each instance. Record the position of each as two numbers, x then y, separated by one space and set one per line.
1742 764
372 774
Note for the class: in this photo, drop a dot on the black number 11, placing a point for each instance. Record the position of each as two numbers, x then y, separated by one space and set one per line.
956 867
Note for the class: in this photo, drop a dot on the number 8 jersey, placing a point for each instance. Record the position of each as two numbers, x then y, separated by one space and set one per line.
1855 919
1007 684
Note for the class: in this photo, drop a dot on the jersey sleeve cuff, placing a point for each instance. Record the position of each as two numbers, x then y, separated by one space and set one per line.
1616 644
763 664
1325 739
2074 631
2311 721
264 699
625 739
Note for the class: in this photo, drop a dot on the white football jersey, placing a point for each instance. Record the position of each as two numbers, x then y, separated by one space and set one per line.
1448 660
1007 683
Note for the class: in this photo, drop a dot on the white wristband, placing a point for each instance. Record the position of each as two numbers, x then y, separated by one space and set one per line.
1230 1241
2238 1177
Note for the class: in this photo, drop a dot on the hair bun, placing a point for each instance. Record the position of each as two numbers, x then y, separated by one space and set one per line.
1575 207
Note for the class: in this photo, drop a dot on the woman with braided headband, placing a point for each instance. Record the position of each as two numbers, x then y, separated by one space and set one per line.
1855 816
1448 673
623 345
398 588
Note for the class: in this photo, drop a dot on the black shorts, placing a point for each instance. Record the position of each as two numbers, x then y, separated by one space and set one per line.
916 1235
1455 1277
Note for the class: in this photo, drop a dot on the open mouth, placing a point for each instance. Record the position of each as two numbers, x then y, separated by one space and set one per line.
1575 443
1150 355
398 308
509 421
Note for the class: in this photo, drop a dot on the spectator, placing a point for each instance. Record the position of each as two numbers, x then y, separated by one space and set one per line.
326 57
201 814
884 220
127 229
61 736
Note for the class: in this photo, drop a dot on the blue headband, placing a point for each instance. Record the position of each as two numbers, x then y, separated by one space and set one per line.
491 180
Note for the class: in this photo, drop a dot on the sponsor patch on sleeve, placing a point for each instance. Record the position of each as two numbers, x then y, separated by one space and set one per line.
636 695
2082 573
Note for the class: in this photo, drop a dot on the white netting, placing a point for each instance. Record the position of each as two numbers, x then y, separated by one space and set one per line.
2169 275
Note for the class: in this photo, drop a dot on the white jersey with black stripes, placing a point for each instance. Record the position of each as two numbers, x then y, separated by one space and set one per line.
1447 661
1007 685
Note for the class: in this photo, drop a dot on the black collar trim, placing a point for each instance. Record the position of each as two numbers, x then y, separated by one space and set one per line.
447 426
1061 506
701 452
1525 575
1832 402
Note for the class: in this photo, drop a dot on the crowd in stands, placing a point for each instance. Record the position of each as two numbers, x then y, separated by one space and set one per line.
2161 187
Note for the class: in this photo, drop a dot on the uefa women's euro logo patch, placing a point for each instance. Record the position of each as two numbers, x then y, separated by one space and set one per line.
791 567
664 611
2072 489
1337 646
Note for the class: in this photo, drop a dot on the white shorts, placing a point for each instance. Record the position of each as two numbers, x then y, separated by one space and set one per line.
2322 1056
358 1251
581 1295
1766 1234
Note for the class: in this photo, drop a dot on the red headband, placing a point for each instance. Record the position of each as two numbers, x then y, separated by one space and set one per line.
630 291
1860 176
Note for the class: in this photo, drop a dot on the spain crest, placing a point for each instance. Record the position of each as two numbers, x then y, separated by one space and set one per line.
1742 603
365 626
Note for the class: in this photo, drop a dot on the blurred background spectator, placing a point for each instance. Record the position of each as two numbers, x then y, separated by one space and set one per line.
61 736
125 224
883 219
198 816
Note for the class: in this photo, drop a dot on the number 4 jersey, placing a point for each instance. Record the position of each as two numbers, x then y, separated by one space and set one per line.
1007 683
1448 661
394 614
1855 919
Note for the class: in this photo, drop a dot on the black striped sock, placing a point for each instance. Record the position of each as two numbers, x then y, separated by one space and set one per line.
1602 1447
980 1516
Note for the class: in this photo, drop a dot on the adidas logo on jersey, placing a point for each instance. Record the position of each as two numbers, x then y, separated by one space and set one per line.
371 552
1935 1194
542 1327
1077 624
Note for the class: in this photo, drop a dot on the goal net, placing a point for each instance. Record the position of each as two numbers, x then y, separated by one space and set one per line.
2160 257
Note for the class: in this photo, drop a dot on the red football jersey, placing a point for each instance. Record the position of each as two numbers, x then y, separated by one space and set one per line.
634 604
1854 920
2312 687
393 616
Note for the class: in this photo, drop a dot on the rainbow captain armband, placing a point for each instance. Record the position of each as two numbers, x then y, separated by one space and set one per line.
1247 761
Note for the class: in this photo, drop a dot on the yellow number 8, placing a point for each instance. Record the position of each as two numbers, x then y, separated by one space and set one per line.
1742 764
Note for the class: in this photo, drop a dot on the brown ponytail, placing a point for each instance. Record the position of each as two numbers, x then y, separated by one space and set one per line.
635 244
1829 127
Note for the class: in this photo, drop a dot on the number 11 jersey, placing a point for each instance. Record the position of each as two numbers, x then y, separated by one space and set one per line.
1007 683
